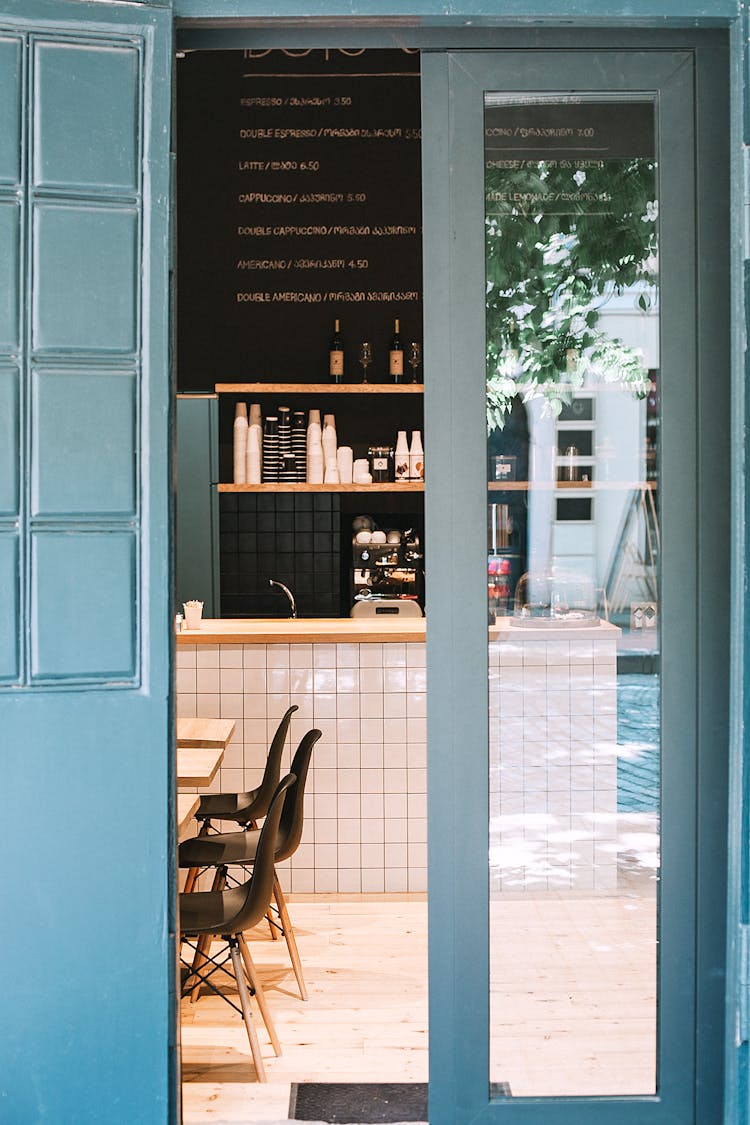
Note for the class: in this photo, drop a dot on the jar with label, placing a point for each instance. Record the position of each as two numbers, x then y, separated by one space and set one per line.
380 463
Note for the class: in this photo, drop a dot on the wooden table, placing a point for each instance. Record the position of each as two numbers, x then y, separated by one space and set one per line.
197 765
214 733
187 805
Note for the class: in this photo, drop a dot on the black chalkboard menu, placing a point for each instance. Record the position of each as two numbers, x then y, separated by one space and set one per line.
298 202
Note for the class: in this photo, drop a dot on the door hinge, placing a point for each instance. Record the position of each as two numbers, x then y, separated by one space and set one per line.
744 982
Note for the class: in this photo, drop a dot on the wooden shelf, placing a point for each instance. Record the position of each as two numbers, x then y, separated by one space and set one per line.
402 486
319 388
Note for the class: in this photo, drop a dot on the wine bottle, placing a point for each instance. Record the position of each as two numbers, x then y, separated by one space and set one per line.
336 355
396 355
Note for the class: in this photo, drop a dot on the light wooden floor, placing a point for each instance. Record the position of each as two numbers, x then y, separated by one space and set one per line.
573 1002
365 965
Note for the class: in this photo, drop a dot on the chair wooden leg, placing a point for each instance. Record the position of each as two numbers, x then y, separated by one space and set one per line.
286 924
191 880
271 926
260 995
203 945
247 1014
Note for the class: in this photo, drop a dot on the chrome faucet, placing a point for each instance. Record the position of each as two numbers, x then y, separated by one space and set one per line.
289 594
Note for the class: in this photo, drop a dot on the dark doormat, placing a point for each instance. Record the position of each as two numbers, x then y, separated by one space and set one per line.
365 1103
349 1103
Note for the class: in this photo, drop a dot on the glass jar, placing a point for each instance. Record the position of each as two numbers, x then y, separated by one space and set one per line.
381 461
557 598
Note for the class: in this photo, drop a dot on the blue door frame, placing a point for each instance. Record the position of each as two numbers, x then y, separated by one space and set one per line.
85 657
123 896
448 635
693 646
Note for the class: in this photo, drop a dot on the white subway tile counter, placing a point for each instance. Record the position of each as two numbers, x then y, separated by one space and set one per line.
366 804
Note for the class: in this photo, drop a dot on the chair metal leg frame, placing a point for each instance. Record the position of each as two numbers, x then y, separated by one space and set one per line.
204 941
233 953
204 974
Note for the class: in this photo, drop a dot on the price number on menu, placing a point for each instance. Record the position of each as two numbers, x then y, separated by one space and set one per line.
358 264
356 197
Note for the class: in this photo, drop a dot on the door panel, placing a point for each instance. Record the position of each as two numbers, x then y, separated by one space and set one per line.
546 718
84 554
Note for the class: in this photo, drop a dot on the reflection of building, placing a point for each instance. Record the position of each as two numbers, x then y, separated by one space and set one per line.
595 511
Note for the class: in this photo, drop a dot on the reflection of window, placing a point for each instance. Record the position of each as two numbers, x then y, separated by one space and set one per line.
572 509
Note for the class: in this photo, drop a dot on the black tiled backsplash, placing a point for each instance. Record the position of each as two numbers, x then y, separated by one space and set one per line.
292 537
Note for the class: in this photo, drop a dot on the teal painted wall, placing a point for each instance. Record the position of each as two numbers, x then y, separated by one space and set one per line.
197 502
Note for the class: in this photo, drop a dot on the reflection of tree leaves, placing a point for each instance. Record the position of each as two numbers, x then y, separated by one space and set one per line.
546 270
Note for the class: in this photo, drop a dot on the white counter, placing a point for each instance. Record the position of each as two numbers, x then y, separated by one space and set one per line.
552 761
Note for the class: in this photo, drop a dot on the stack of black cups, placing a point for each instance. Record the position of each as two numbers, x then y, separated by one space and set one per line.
270 449
288 472
285 433
299 443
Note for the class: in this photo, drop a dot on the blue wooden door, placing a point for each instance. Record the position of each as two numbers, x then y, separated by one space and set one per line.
88 993
479 124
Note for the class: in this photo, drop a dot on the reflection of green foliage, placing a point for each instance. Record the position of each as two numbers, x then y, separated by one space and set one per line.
551 264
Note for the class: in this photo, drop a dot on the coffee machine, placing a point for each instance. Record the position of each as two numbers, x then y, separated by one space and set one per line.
387 574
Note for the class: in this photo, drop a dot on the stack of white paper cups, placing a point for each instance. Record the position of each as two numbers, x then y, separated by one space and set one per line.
240 443
315 461
329 437
361 471
254 445
345 463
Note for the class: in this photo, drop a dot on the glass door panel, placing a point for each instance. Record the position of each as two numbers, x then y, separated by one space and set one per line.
572 338
566 522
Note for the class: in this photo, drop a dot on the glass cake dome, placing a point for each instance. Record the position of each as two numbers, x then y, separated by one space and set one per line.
555 598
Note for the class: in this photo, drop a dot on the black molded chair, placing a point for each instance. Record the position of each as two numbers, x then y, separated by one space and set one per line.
227 914
248 808
225 849
244 808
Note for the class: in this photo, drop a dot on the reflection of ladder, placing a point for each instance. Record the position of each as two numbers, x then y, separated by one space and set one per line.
632 572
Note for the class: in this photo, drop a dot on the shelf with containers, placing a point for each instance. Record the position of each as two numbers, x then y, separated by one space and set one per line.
399 407
300 532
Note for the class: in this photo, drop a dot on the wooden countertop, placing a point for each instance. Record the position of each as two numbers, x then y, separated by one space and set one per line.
206 733
187 806
197 765
347 630
311 630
